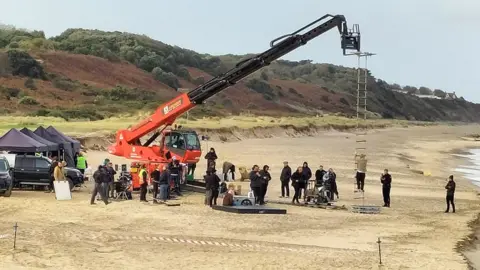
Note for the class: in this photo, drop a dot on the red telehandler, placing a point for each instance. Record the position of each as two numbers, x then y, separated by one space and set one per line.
184 144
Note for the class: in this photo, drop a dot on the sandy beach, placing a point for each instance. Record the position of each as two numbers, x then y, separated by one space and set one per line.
415 232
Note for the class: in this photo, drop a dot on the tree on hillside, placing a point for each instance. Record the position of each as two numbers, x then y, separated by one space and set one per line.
396 86
167 78
261 87
411 90
22 64
150 61
439 93
383 85
424 91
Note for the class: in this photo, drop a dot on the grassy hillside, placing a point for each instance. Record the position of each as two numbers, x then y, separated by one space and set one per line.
94 74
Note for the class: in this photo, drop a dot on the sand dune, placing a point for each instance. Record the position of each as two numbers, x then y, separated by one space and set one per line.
415 232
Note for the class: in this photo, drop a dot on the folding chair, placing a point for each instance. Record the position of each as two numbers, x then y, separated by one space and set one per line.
121 191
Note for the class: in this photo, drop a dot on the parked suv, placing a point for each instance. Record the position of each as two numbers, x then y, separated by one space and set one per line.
33 171
6 179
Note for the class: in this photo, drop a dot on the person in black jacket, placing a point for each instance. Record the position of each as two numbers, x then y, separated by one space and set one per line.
332 176
266 177
450 187
163 182
256 183
319 176
155 176
211 158
386 181
111 179
100 176
297 179
285 176
175 170
212 184
307 174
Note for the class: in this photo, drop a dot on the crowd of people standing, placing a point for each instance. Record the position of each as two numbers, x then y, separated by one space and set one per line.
104 178
166 178
301 178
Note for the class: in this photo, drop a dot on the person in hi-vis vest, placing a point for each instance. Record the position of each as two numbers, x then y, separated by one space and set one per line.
142 176
81 163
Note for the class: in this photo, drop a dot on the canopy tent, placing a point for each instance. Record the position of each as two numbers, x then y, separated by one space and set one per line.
51 145
16 141
75 143
64 147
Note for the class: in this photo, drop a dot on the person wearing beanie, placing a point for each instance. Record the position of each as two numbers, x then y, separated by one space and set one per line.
450 187
285 176
106 161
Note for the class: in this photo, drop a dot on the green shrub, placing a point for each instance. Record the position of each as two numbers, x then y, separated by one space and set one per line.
122 93
9 92
183 73
344 101
81 113
27 100
30 84
293 91
261 87
264 76
65 84
13 45
167 78
23 64
199 80
69 114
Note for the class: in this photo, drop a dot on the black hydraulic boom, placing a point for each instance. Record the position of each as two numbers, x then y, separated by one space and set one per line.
350 40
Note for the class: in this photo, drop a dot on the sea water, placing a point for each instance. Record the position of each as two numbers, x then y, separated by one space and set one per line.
471 172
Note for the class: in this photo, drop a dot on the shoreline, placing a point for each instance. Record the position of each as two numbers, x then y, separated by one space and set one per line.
469 246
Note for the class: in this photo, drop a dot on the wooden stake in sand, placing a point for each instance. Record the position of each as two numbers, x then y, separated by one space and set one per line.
15 235
379 250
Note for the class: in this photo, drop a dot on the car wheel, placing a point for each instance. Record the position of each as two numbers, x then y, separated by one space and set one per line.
246 202
70 183
8 192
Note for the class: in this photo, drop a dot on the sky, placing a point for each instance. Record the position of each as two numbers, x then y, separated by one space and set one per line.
418 42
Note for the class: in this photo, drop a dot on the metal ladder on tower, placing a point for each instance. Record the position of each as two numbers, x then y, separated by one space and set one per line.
361 109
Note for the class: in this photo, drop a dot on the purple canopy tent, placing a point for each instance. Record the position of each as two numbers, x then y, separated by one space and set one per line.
64 147
51 145
16 141
75 143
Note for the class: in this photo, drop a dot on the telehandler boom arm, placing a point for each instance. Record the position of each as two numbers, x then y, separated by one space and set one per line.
167 113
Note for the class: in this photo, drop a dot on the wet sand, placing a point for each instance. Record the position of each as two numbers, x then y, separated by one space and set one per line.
473 254
415 231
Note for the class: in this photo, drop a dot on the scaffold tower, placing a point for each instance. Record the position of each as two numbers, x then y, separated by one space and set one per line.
362 112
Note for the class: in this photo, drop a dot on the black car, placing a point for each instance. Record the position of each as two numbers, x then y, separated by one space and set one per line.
34 171
6 182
